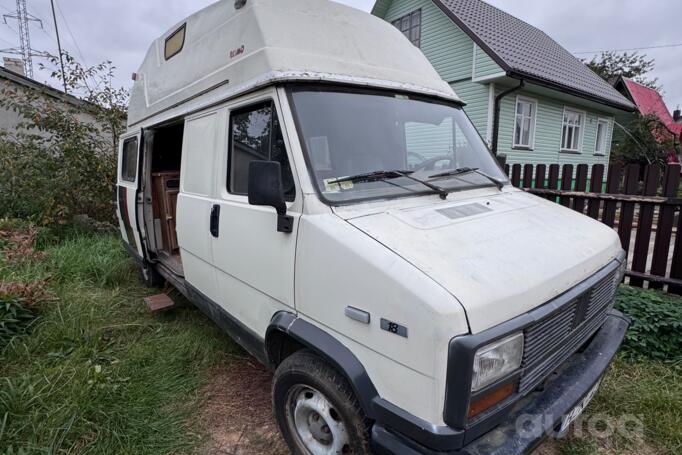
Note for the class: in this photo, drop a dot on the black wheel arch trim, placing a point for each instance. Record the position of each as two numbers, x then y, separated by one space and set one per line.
328 348
376 408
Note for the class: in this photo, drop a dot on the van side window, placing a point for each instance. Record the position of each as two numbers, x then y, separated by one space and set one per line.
255 135
129 160
175 42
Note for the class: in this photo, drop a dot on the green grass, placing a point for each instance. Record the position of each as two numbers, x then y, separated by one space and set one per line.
97 373
650 390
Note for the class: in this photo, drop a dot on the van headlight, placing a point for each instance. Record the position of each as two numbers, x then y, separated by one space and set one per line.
496 360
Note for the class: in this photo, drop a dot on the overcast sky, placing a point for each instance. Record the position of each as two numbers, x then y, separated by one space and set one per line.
121 30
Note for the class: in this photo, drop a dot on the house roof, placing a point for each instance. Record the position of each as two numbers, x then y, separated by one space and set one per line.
527 51
40 87
650 102
524 51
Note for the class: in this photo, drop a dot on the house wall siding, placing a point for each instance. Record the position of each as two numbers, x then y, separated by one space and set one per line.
484 65
476 96
549 124
451 52
429 141
460 62
447 47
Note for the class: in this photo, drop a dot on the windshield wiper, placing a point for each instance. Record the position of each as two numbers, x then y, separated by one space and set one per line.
467 170
387 175
370 177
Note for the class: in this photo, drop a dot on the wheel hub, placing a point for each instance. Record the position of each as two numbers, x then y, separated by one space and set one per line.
317 424
319 428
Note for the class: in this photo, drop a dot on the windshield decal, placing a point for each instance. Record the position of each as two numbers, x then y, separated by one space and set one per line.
333 185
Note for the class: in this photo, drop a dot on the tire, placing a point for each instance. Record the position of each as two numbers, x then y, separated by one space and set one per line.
308 394
150 277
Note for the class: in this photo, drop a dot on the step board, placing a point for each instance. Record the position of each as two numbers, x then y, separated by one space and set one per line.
158 303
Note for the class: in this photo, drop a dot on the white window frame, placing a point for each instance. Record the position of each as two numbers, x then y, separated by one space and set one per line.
581 131
533 122
607 124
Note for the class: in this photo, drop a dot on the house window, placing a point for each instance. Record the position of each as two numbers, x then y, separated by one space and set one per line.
524 125
411 26
602 137
129 160
255 135
572 132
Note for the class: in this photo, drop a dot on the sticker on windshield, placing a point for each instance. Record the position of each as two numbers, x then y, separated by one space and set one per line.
332 186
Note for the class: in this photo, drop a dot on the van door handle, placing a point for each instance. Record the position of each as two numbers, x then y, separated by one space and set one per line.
215 220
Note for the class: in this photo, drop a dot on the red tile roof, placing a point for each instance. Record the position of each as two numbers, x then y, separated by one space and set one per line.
650 102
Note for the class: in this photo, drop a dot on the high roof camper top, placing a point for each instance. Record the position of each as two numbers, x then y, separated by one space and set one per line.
235 46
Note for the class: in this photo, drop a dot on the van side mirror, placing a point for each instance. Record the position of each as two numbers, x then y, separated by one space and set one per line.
265 188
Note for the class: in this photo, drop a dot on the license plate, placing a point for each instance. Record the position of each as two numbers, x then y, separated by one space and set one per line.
567 419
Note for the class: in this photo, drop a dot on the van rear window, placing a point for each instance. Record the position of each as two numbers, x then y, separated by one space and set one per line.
129 160
175 42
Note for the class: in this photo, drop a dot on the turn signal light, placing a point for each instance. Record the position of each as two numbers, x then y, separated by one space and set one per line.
490 399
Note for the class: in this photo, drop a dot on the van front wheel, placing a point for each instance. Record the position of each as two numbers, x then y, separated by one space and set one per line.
316 409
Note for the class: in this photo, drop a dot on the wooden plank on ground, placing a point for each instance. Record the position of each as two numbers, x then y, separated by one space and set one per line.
159 303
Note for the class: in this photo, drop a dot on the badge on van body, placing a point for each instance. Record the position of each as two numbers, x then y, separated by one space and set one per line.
393 327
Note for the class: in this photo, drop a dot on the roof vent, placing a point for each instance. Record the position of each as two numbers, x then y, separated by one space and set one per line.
464 211
239 4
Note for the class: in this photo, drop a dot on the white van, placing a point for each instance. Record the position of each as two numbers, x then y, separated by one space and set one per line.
299 171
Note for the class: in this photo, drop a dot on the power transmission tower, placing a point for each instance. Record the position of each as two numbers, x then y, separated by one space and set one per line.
23 17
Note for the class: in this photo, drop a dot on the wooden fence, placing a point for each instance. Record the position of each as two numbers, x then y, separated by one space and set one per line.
640 202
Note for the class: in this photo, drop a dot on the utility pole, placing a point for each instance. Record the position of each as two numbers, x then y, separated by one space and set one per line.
23 18
59 45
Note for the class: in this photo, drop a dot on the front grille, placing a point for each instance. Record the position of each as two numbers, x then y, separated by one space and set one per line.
550 341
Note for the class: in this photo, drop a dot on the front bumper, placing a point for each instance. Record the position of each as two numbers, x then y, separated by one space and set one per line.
536 416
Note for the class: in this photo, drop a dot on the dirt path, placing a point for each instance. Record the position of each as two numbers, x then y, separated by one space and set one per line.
238 417
238 414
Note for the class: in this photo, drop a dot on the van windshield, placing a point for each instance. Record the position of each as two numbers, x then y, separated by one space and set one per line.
349 134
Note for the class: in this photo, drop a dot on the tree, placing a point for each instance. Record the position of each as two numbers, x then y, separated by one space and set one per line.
61 159
95 85
646 141
609 65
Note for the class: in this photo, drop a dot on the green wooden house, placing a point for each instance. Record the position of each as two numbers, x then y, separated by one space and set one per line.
528 97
